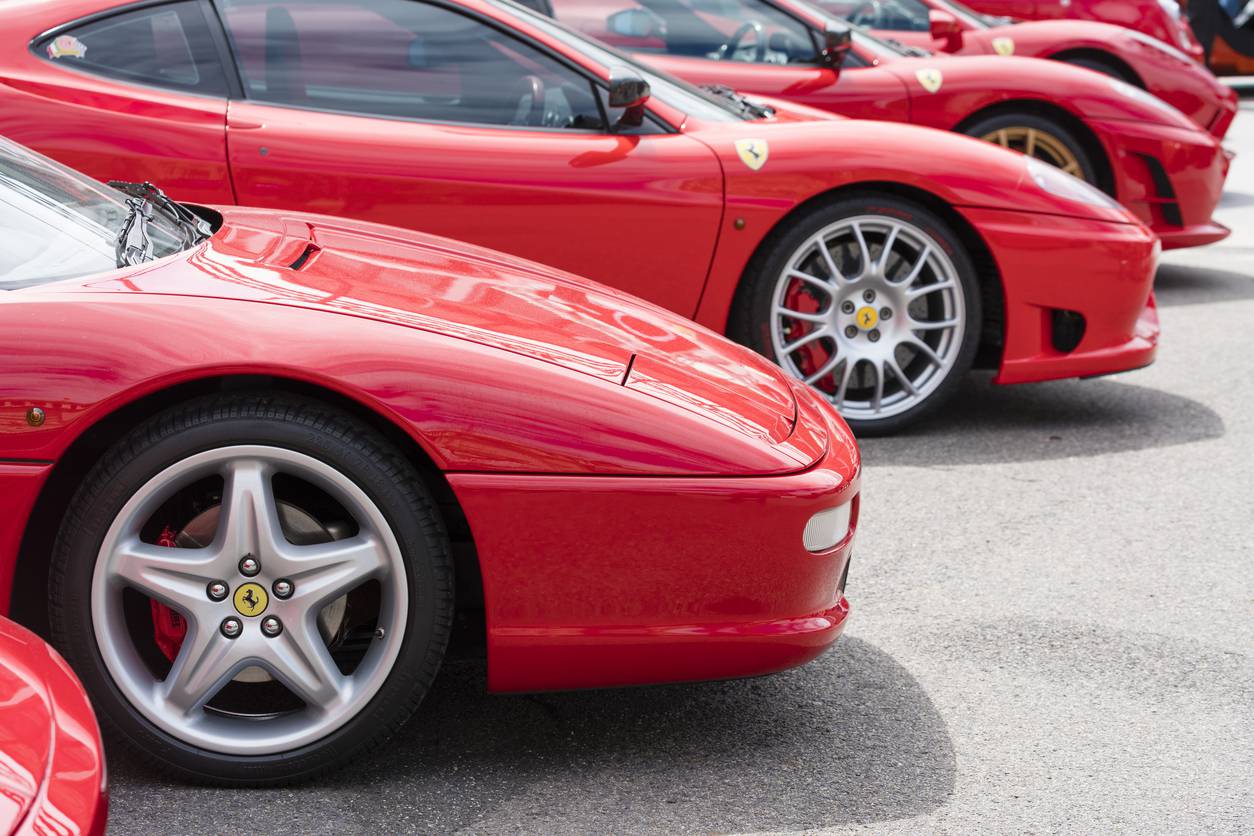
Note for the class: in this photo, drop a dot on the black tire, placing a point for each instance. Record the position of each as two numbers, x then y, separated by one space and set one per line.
1099 65
297 424
751 315
983 127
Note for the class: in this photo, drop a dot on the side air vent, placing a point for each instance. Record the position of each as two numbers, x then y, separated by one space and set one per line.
301 260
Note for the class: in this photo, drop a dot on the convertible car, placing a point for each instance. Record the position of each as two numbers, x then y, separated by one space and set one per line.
250 457
52 770
1160 19
1130 144
1126 54
875 261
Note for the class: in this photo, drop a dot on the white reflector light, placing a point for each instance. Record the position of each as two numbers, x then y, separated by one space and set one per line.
827 528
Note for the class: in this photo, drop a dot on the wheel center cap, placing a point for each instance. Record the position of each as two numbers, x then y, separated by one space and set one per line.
867 317
251 599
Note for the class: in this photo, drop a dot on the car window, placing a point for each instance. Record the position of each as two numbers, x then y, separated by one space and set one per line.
735 30
402 59
893 15
57 223
165 46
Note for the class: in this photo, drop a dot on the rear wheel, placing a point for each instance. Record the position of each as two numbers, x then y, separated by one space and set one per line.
252 589
1038 137
870 299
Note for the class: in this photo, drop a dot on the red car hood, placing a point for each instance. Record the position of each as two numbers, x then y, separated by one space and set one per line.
470 293
51 762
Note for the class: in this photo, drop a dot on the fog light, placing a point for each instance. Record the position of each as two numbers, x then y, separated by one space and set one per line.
827 528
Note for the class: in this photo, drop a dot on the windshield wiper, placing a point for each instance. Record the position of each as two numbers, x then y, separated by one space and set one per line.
746 106
134 244
912 51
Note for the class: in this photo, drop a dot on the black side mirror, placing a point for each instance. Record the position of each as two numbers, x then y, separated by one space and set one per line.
837 41
630 92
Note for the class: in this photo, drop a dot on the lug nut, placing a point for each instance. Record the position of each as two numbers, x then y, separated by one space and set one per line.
886 313
249 566
846 307
271 626
868 295
231 627
283 588
851 331
217 590
873 336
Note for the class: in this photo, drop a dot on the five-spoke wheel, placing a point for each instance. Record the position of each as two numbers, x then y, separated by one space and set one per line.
255 589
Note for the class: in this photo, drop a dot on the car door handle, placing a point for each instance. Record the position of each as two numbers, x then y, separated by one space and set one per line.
247 126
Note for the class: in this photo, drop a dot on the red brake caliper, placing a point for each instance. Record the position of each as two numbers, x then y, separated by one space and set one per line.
168 626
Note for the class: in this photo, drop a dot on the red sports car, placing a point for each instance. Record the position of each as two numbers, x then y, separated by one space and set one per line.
1161 19
876 261
52 769
1132 145
258 463
1126 54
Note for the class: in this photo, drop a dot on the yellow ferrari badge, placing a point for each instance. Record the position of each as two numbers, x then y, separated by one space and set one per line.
753 152
1004 46
930 78
251 599
867 317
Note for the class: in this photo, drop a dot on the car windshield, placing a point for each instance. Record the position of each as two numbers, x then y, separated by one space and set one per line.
58 224
678 94
898 15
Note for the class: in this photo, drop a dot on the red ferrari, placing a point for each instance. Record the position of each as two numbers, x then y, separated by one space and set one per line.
258 463
1126 54
875 261
52 769
1160 19
1130 144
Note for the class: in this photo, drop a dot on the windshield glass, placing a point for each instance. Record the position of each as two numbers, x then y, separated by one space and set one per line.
57 224
898 15
680 95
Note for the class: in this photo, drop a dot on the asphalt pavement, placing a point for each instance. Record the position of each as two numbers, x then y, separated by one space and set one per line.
1053 631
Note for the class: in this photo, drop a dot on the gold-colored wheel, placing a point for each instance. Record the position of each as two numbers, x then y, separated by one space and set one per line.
1037 143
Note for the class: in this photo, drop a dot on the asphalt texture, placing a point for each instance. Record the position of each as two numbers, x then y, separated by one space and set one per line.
1053 631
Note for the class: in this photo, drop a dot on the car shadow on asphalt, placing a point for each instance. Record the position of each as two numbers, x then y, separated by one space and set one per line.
988 424
850 738
1180 284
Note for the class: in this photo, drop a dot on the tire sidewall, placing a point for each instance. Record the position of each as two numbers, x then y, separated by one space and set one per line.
77 553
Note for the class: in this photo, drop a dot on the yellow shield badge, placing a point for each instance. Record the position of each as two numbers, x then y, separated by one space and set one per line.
1004 46
753 152
931 79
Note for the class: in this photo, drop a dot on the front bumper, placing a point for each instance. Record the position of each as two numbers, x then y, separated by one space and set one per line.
603 581
1054 267
1170 178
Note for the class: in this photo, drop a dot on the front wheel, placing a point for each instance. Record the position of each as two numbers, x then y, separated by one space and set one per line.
252 589
870 299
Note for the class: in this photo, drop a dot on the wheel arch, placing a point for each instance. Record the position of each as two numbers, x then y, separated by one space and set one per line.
992 290
1101 56
29 604
1073 123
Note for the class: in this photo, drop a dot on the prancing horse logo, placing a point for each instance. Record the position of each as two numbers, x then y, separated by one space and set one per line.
251 599
753 152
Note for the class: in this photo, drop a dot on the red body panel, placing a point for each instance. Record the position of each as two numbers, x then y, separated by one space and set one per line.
52 769
503 372
1146 16
1158 67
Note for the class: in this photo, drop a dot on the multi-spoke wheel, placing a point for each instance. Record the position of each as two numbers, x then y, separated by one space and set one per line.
1038 137
253 590
870 300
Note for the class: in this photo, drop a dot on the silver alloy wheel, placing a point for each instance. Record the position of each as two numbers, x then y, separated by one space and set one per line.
298 656
870 311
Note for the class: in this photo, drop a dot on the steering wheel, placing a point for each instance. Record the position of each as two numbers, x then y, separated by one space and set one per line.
727 51
530 108
869 14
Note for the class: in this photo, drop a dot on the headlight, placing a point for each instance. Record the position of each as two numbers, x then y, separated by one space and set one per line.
1058 183
827 528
